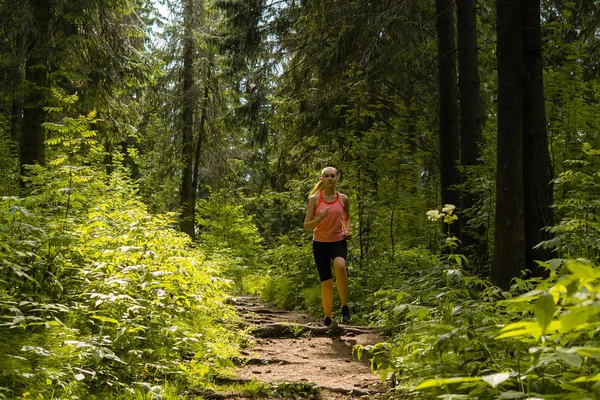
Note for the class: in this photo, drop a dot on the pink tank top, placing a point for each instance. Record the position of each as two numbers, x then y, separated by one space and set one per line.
330 229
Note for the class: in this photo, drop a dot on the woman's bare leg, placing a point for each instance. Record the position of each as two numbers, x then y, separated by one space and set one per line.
341 278
327 296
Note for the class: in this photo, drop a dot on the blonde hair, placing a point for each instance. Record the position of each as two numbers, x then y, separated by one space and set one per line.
319 186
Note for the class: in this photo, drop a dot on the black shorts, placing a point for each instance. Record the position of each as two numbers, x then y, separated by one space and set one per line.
325 252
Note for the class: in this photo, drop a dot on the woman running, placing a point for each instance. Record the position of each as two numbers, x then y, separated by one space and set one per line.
328 216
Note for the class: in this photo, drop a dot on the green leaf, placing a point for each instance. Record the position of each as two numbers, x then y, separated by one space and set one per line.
106 319
383 375
359 349
225 362
496 379
555 263
581 271
544 310
572 320
526 297
593 378
399 309
569 356
520 329
429 383
593 352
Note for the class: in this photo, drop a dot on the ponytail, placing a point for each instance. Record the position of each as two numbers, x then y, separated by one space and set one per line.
318 187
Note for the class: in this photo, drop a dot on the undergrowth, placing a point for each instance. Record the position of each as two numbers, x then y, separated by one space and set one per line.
456 336
99 298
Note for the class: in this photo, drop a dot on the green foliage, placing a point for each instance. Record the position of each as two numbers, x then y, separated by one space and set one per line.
8 164
577 234
282 213
457 336
114 298
289 266
225 225
228 233
98 295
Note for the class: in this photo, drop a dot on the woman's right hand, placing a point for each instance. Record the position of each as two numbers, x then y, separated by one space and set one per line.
323 214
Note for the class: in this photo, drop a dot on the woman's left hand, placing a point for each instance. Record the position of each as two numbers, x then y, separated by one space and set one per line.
348 235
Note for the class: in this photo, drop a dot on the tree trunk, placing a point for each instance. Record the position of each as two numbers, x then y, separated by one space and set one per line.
187 189
470 120
203 116
448 103
32 149
201 136
362 220
509 241
537 166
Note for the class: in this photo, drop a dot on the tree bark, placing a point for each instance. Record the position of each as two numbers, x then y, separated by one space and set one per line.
537 165
509 241
187 189
32 149
448 107
470 119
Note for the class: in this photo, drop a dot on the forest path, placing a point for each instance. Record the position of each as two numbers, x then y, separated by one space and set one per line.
295 348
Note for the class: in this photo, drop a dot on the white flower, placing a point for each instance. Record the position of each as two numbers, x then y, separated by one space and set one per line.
448 209
433 215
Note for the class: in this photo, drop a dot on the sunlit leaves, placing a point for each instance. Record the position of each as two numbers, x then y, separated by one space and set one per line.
492 380
582 271
119 286
445 381
495 379
572 320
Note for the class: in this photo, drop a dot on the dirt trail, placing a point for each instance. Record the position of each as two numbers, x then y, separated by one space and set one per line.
294 347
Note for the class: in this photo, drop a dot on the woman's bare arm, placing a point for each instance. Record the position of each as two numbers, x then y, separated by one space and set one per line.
310 220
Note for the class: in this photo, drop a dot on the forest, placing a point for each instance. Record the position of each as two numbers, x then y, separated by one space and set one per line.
157 157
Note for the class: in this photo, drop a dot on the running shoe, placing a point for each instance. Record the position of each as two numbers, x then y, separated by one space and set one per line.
346 314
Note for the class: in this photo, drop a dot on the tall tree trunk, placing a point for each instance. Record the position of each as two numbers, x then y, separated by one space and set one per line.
32 147
203 113
537 165
509 241
470 119
362 219
201 136
187 189
448 112
395 195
